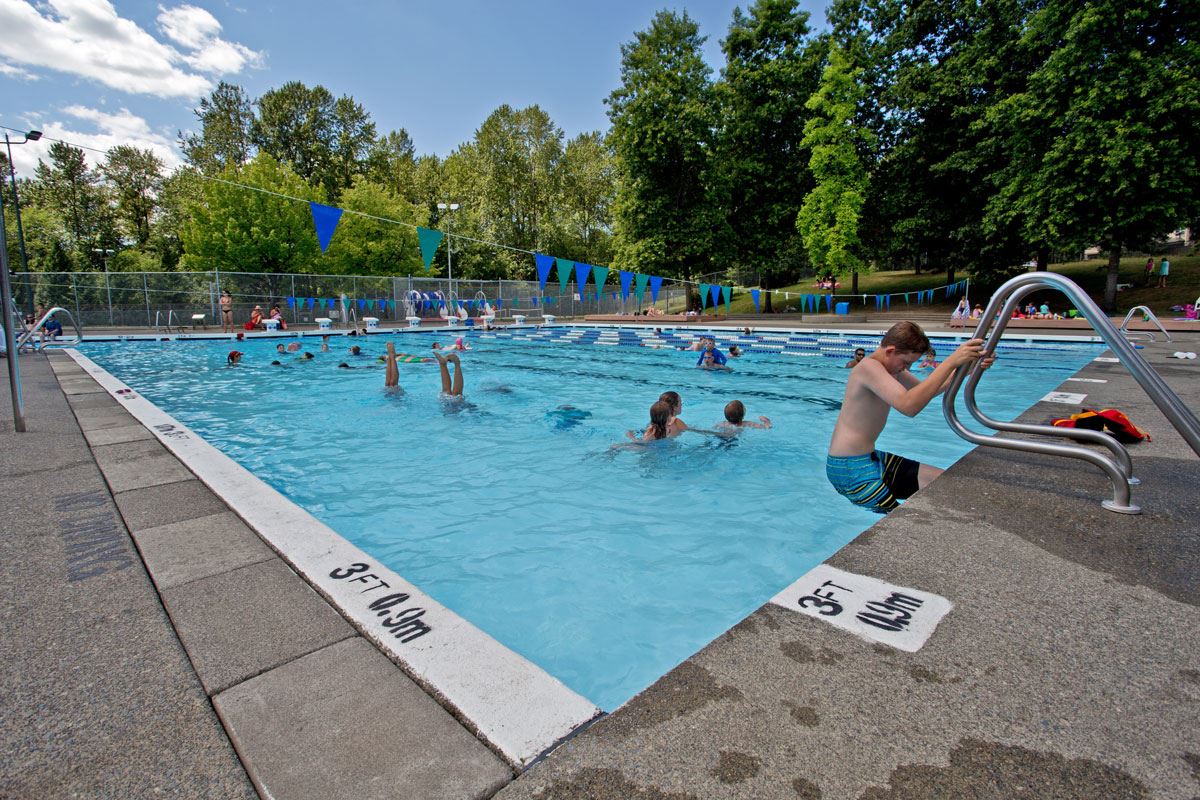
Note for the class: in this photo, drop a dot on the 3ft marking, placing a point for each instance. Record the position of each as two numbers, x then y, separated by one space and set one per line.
398 621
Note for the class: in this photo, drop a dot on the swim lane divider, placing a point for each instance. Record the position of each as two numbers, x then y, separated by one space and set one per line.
514 705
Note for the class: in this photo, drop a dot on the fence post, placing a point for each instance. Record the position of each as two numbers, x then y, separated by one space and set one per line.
146 294
214 298
75 293
108 288
295 310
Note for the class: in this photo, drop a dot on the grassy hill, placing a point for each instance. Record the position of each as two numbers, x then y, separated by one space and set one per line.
1183 286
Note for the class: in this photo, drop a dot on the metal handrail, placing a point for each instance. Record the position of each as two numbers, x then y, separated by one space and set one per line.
1120 454
170 314
28 335
1168 402
1150 318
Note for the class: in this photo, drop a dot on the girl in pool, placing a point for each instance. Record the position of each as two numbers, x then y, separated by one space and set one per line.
929 361
660 419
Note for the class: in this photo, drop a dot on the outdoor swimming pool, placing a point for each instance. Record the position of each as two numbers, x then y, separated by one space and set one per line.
606 568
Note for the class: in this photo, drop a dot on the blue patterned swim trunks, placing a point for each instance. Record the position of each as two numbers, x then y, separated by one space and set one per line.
877 480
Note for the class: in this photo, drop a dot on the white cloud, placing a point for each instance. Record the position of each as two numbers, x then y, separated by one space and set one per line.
88 38
108 131
14 71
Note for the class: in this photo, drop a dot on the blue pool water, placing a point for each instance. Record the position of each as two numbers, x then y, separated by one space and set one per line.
606 568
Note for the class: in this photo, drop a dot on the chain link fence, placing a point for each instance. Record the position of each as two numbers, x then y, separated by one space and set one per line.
161 299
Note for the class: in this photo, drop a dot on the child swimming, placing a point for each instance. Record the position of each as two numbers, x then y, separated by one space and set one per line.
735 418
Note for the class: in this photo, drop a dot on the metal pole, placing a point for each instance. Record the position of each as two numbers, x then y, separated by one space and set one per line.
295 305
450 250
10 339
108 288
17 209
146 294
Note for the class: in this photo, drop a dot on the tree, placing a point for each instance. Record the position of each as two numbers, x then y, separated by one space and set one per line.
772 68
583 204
226 118
136 175
663 122
829 218
364 246
323 140
68 186
1103 145
391 161
239 229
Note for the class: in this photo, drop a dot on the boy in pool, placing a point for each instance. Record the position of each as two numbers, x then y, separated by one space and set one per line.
872 478
735 418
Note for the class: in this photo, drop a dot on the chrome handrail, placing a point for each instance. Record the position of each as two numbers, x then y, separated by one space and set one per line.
170 314
1168 402
1150 318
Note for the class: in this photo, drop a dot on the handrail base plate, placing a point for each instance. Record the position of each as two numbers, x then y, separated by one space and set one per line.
1110 505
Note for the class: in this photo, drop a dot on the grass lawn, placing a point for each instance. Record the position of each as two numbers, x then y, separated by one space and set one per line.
1183 287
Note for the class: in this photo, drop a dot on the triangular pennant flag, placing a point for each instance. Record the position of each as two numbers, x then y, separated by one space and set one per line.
828 302
362 304
499 302
564 273
429 240
329 304
582 271
888 300
599 275
626 282
535 301
715 291
655 285
544 263
727 293
704 289
291 302
639 286
325 220
906 298
754 295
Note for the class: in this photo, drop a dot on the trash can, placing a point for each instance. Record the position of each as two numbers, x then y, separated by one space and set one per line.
324 323
841 308
372 323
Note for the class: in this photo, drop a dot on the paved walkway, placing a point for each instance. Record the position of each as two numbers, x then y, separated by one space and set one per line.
152 640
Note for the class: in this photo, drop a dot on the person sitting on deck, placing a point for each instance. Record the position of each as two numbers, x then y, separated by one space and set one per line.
256 317
277 315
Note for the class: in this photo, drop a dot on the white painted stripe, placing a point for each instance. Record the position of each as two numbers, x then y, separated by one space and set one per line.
1107 360
1088 380
514 704
867 607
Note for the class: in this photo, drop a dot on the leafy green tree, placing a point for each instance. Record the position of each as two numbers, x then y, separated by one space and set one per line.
1103 146
772 68
68 186
583 204
226 118
829 218
391 161
238 229
136 176
663 130
365 246
180 191
324 140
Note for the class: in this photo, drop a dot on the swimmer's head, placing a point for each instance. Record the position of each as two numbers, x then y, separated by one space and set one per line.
860 353
278 348
735 412
307 356
673 399
276 363
906 337
234 357
355 350
343 365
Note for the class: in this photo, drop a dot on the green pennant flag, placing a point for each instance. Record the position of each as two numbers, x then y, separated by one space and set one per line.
705 289
564 273
599 275
639 285
727 293
429 240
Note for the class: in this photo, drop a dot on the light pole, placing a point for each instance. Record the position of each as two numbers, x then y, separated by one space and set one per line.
10 334
449 246
104 254
31 136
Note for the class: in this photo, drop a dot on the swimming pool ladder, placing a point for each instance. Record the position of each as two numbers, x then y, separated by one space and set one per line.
1118 467
1146 335
27 336
170 316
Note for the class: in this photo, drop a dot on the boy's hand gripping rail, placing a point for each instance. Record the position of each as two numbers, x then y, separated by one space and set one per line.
1119 468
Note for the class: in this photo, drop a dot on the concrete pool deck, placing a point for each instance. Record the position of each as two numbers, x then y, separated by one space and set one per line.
1067 668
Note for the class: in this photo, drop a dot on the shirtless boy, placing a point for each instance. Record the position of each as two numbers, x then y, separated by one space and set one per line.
735 418
872 478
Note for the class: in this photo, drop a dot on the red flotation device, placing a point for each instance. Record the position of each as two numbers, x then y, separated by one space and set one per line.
1109 420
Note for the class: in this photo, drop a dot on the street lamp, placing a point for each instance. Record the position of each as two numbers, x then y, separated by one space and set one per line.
449 245
31 136
104 254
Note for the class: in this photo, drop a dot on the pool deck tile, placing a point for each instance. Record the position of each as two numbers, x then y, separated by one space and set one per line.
117 435
82 385
95 419
166 503
91 401
181 552
138 464
240 623
344 722
97 698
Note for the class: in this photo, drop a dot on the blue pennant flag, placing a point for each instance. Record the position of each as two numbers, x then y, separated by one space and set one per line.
655 285
754 295
626 282
535 301
888 300
499 302
310 302
362 304
329 304
325 220
581 275
544 263
716 295
291 302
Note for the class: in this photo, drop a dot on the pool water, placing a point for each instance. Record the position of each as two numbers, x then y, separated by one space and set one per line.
606 567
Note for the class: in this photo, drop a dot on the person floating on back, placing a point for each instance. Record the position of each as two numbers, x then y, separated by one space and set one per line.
735 418
873 478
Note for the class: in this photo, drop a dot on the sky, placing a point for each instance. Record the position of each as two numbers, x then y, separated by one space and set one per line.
98 73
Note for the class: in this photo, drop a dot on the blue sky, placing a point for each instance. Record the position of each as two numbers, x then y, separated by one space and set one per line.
101 73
